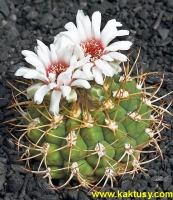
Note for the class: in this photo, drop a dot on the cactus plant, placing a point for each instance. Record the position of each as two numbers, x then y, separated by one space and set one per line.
101 135
97 136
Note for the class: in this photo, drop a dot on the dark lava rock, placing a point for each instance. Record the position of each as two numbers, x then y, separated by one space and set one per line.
48 197
171 161
123 3
144 14
17 2
4 55
38 1
44 187
126 184
46 19
167 182
4 8
11 30
170 3
2 175
73 194
56 23
165 42
32 15
157 178
82 196
15 182
35 194
163 32
146 35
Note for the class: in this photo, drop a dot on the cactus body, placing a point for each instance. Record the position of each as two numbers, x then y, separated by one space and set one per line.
102 134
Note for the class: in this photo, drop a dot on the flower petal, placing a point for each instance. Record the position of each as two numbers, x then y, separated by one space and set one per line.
118 24
54 102
87 69
116 67
28 53
80 15
97 75
32 89
52 77
122 32
111 24
105 67
64 78
72 97
87 27
36 63
53 53
61 41
40 93
22 71
120 45
57 38
118 56
64 42
108 36
96 23
110 31
67 78
68 51
73 61
79 74
107 58
81 31
72 36
81 83
44 58
60 80
44 48
82 61
78 52
65 90
33 74
71 27
52 85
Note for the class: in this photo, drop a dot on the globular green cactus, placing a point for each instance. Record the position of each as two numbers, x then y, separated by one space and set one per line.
98 137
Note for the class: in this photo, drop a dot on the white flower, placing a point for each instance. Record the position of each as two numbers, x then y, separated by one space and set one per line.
54 68
87 37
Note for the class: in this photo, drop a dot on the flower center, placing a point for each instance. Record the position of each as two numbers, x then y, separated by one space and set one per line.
57 68
92 47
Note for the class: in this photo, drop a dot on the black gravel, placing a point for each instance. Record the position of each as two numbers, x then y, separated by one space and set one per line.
24 21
